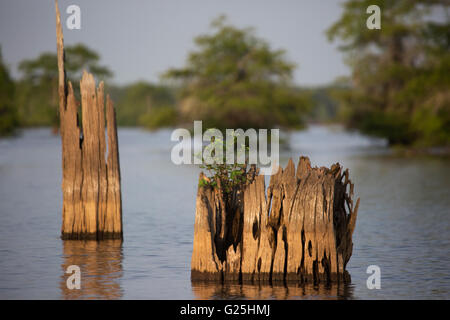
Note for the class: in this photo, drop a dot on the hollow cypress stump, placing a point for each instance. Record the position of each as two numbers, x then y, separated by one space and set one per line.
92 204
299 230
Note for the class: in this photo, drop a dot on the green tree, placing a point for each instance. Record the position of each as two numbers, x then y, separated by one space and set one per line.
235 80
8 111
400 82
145 104
37 92
79 58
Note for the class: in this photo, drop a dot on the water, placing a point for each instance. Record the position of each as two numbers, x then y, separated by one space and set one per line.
403 223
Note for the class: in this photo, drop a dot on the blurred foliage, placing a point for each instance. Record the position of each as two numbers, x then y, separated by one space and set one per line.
144 104
162 117
400 74
235 80
140 103
36 94
37 90
325 102
8 111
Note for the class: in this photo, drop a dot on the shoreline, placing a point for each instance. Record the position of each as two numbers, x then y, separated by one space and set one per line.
396 150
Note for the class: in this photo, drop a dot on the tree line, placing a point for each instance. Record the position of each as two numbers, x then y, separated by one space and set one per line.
398 87
400 81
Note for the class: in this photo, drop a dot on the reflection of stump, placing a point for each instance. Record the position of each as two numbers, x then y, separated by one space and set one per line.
301 231
206 290
100 263
92 206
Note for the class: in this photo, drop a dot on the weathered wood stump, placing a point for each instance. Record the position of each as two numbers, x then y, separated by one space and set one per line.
92 204
300 231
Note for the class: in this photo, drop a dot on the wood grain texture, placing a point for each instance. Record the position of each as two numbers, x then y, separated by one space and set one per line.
299 230
92 205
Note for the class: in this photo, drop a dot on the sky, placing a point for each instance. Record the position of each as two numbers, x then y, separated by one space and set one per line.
139 40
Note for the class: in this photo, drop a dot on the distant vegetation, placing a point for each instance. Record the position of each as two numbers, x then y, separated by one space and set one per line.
325 103
33 99
144 104
37 91
235 80
400 83
398 89
8 111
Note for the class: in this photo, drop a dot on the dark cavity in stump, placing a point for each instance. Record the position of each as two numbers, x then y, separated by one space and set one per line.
299 230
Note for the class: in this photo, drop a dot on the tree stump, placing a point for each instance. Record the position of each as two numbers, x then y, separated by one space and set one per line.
92 204
299 230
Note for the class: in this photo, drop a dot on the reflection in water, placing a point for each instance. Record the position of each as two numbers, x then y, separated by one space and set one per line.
403 224
101 269
216 290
